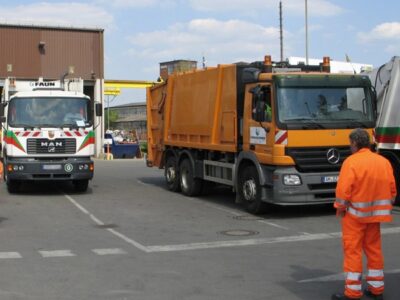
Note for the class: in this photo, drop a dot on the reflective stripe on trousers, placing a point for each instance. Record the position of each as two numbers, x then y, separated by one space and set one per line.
359 237
352 287
375 281
353 276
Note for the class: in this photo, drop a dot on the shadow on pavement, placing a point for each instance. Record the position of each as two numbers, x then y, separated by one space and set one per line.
323 289
49 188
223 196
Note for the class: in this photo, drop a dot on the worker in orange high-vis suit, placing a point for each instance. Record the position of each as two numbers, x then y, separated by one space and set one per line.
365 192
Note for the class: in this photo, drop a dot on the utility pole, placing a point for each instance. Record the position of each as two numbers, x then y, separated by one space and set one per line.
306 13
281 28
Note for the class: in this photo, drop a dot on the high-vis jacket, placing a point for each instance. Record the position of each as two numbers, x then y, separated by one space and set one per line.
366 187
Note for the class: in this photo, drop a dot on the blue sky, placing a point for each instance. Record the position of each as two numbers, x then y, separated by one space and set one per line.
140 34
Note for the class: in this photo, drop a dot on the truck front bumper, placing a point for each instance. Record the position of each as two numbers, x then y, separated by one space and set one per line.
49 169
315 188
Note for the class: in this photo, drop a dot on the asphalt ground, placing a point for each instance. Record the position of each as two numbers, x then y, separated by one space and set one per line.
128 237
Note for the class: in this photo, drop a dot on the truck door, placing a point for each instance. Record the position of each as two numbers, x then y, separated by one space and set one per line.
258 129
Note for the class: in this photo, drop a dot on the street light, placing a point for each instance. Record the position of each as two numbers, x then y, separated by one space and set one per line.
108 110
306 14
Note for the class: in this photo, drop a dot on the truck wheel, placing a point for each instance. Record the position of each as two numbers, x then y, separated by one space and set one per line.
81 185
396 169
12 185
395 162
190 186
250 191
171 174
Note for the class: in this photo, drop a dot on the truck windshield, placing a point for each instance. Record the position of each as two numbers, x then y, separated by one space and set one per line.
339 107
49 112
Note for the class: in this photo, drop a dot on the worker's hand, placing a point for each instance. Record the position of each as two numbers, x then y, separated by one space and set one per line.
340 212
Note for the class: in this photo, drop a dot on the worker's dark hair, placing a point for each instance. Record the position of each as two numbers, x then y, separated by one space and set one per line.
360 137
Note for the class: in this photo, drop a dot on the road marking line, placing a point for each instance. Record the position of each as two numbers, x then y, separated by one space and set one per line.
128 240
239 214
81 208
340 277
273 224
221 244
232 212
84 210
254 242
56 253
112 251
99 222
229 211
237 243
9 255
333 277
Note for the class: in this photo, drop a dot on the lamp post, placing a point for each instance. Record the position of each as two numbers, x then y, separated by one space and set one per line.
108 109
306 15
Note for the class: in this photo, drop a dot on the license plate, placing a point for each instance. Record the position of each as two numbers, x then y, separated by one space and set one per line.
51 167
329 179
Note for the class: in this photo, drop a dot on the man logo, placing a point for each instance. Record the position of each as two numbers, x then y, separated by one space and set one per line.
333 156
51 149
51 144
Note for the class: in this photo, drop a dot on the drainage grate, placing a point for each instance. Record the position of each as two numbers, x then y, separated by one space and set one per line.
248 218
239 232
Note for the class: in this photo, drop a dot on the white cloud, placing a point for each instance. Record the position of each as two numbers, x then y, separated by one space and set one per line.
129 3
220 41
132 3
58 14
137 3
384 38
384 31
320 8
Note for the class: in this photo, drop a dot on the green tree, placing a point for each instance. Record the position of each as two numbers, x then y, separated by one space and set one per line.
110 117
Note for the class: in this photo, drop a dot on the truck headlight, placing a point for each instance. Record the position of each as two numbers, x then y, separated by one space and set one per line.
16 168
291 179
83 167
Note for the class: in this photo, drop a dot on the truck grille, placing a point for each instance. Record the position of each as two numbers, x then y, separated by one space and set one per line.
57 146
310 160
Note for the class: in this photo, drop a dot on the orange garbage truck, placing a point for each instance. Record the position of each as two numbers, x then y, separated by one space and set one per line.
276 133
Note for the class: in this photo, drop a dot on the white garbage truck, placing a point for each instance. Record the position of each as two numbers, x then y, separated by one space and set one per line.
47 132
386 80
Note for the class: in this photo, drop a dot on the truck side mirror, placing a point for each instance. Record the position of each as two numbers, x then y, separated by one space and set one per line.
99 109
250 75
2 110
258 104
259 114
374 102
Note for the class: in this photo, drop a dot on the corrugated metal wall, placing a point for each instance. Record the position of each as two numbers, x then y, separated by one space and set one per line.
62 47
